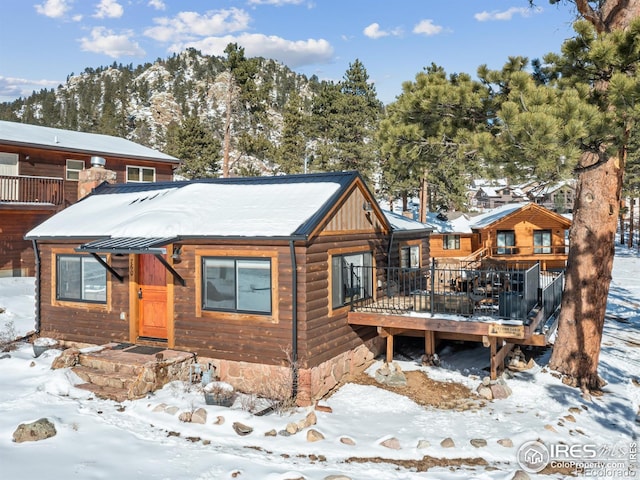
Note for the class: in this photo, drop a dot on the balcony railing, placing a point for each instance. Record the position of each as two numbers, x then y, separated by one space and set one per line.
501 294
530 250
26 189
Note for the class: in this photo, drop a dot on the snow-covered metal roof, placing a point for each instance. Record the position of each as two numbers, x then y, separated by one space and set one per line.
400 223
23 134
283 206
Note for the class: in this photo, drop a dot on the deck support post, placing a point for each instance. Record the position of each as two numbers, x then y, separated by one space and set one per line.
429 342
390 348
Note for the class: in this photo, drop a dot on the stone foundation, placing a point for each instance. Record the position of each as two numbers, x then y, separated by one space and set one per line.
275 382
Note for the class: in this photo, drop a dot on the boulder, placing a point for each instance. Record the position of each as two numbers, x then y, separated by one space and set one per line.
68 358
314 436
34 431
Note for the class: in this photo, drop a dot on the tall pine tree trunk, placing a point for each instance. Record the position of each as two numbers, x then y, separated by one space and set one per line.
576 351
227 129
592 243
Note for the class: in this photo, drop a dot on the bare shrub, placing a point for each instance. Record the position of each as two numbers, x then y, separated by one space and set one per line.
8 336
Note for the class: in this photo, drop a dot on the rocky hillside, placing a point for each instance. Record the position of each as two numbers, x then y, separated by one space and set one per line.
139 103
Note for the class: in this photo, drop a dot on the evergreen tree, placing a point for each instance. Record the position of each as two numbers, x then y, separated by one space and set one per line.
194 144
292 150
425 138
358 113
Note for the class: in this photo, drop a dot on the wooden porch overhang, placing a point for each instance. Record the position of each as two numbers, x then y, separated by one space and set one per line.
499 336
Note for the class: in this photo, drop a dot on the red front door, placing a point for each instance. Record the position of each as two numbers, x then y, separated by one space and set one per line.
152 294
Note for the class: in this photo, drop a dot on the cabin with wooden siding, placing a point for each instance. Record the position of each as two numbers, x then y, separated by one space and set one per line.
40 171
255 276
519 234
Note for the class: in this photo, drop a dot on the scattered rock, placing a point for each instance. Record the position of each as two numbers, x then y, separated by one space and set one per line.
292 428
284 433
242 429
337 477
570 418
219 420
521 475
314 436
271 433
575 410
506 442
347 441
171 410
160 407
422 444
4 355
485 392
308 421
430 360
199 416
478 442
499 392
518 362
393 443
550 428
391 375
323 408
447 443
68 358
185 417
34 431
486 381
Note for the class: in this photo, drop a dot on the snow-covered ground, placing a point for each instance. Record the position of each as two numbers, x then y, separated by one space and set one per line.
99 439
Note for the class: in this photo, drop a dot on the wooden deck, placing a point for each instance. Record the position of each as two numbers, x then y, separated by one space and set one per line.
500 336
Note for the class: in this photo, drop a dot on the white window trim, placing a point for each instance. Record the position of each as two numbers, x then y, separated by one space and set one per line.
140 168
67 169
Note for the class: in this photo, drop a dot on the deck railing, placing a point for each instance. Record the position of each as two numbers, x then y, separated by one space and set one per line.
552 295
505 294
27 189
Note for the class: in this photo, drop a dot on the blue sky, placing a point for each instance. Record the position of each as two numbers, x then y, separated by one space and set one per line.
43 41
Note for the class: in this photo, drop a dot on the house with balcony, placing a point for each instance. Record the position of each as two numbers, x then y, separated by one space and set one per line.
40 172
513 235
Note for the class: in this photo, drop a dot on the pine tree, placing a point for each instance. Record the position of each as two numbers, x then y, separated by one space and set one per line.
292 150
425 138
194 144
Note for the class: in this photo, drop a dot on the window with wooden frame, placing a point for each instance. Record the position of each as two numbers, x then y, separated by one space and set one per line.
542 241
410 256
73 169
137 174
451 242
506 242
80 278
351 278
240 285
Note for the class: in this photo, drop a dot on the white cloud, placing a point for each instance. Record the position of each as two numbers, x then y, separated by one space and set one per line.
373 31
53 8
109 9
291 53
106 41
427 27
506 15
157 4
13 87
189 25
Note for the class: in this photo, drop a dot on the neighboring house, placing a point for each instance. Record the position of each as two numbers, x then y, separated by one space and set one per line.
558 197
488 197
40 169
515 234
256 275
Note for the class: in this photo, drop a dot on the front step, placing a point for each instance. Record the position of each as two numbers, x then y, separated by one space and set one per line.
120 375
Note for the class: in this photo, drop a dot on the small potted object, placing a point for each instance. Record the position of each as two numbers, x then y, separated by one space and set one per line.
42 344
219 393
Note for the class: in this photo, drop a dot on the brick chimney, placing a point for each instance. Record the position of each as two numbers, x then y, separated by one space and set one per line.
90 178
